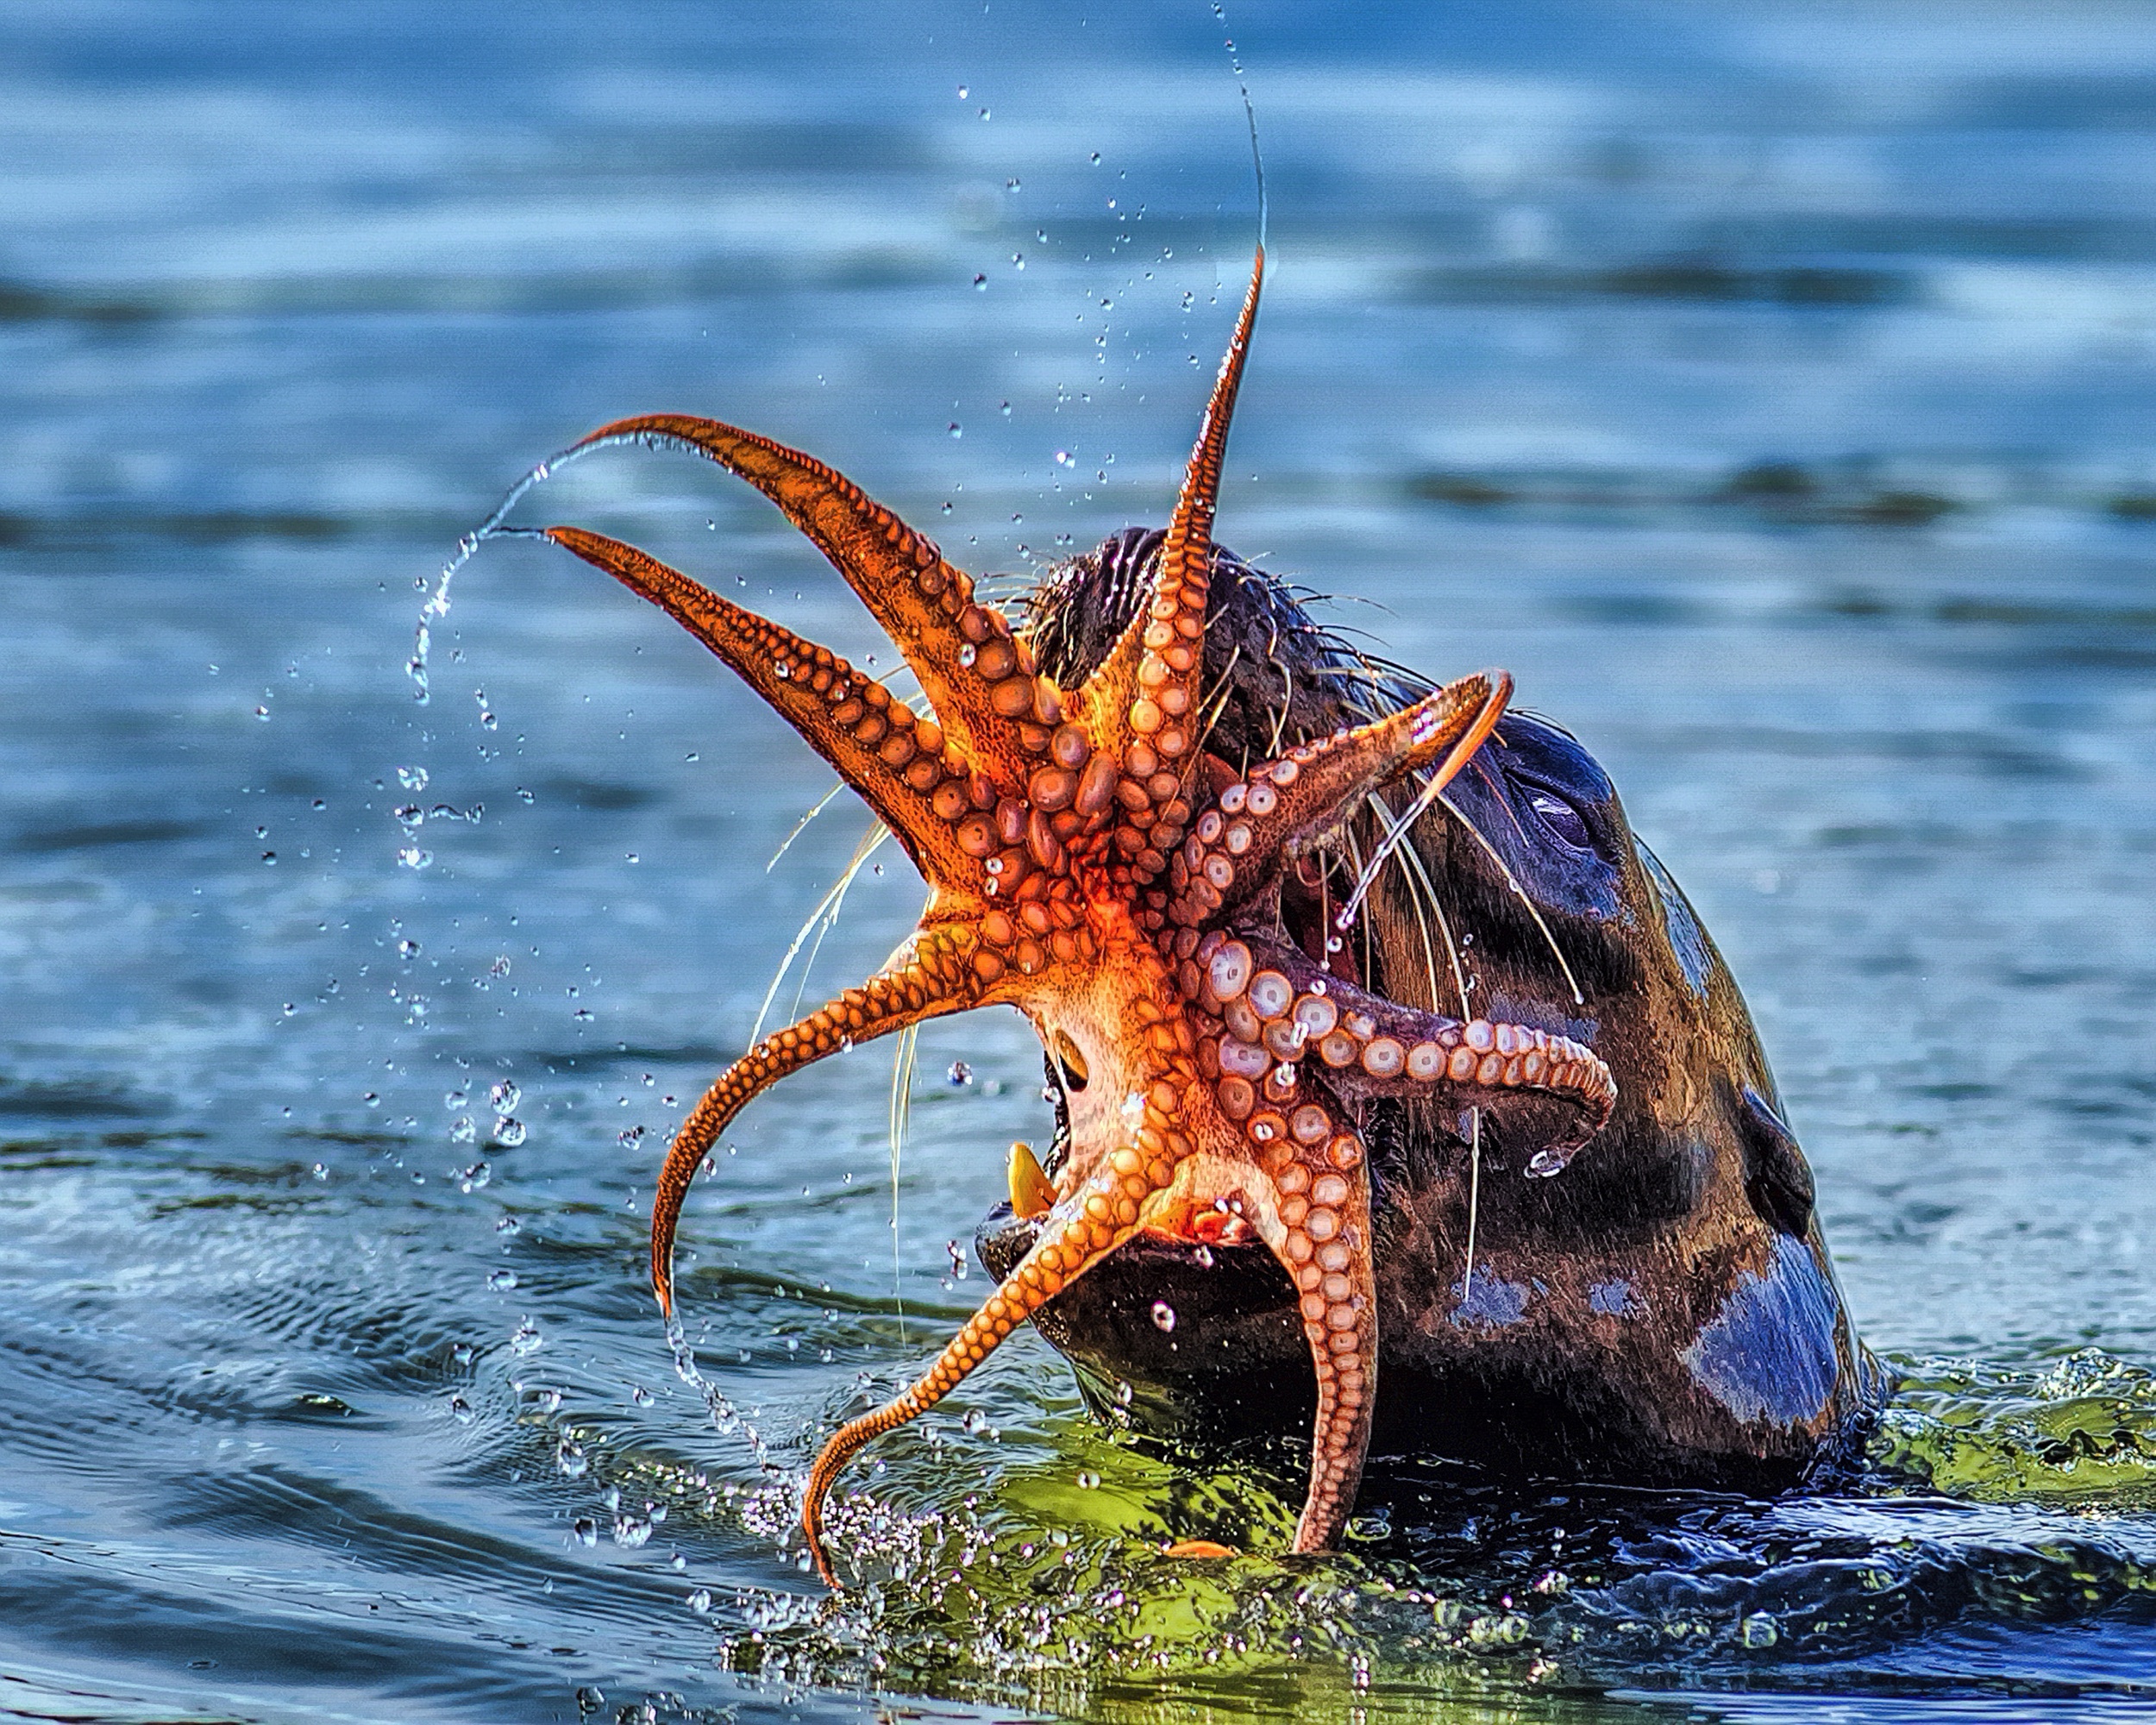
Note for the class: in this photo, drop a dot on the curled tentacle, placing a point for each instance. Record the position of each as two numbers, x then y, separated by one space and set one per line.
1283 809
977 675
1281 1013
937 976
1082 1230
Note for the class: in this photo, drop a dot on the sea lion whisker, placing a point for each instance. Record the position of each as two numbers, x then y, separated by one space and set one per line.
1216 701
1414 859
833 896
1473 1197
1456 757
1521 893
869 842
801 825
901 1122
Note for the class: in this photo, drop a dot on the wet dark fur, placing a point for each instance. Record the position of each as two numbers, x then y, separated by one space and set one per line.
1662 1313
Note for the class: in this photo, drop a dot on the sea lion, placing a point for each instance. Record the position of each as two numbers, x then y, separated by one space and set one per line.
1664 1311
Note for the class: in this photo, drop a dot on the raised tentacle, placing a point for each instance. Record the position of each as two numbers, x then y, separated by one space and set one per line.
978 676
1283 809
895 760
1277 1010
937 976
1144 699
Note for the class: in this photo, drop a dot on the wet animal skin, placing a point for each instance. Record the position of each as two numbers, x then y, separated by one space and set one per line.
1092 863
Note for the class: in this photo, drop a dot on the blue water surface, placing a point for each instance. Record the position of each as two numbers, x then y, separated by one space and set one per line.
1771 387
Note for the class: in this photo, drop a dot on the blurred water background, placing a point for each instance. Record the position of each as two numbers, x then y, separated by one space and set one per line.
1772 388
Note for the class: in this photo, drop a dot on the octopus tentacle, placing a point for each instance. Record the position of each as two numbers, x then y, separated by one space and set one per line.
1324 1209
897 761
935 977
1146 693
1285 808
1277 1010
980 678
1092 1223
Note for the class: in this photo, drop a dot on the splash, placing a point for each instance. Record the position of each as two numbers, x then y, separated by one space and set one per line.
494 527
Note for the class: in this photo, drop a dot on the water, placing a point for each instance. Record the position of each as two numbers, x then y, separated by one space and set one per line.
1769 388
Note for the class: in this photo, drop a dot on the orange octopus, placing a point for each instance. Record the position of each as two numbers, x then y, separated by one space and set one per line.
1091 864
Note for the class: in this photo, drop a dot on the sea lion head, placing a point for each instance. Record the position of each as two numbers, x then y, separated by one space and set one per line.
1521 897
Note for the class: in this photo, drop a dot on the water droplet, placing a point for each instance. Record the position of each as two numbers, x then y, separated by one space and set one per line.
1761 1630
1204 1255
1064 459
509 1225
959 1073
1087 1479
412 778
413 857
1163 1316
461 1411
502 1280
504 1095
478 1175
569 1457
587 1531
700 1602
509 1132
261 713
526 1339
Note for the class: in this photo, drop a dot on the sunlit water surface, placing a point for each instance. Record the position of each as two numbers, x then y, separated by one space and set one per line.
1769 387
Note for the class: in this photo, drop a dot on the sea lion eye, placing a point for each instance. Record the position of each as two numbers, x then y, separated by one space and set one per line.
1561 818
1071 1061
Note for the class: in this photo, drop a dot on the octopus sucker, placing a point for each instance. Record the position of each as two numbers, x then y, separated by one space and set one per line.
1091 865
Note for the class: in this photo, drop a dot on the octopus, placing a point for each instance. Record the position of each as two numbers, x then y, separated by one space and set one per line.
1091 862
